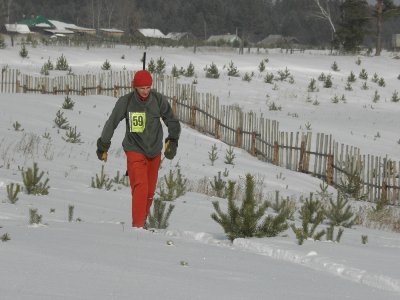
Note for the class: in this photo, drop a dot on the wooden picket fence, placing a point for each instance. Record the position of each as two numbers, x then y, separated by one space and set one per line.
316 154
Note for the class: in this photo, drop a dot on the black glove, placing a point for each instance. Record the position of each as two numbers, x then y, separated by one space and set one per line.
102 149
170 148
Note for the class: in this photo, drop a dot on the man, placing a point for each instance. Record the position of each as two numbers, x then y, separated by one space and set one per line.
142 110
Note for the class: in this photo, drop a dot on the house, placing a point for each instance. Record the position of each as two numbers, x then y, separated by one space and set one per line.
67 29
181 36
17 28
37 23
111 32
150 33
224 39
278 41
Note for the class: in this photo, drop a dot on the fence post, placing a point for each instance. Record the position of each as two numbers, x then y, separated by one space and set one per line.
55 90
99 89
193 117
82 91
238 138
276 154
115 91
329 170
18 87
253 144
217 134
67 89
24 88
384 192
174 105
43 90
302 154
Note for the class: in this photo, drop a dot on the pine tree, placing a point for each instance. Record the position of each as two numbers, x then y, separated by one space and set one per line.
355 16
158 218
339 213
213 155
246 221
32 181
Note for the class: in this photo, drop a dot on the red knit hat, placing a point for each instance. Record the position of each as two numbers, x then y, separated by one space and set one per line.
142 78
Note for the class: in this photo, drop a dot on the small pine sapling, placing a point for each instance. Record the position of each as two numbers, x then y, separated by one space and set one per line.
5 237
358 61
364 86
212 71
68 103
335 67
32 181
72 136
311 217
247 77
261 66
70 213
23 52
213 155
232 70
351 77
61 121
351 183
158 217
12 194
328 82
189 70
34 217
268 78
376 97
312 86
246 221
330 231
160 66
106 66
283 74
348 87
175 71
322 77
381 82
375 78
364 239
229 156
102 181
339 213
395 97
17 126
218 186
151 66
363 75
175 184
62 64
284 206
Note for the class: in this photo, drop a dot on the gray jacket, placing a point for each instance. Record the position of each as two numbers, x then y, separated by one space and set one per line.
144 132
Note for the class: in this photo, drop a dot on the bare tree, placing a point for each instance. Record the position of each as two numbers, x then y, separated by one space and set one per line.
109 6
325 13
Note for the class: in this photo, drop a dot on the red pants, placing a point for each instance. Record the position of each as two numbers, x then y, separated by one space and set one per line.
143 175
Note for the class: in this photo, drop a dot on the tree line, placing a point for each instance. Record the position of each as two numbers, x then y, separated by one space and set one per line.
344 23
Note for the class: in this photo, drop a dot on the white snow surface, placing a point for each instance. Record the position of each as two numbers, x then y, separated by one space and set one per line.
102 257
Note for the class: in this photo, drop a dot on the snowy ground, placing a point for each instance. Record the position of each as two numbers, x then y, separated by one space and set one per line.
101 257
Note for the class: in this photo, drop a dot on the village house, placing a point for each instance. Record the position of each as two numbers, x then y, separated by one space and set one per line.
230 39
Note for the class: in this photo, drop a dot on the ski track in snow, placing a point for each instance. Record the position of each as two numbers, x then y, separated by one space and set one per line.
309 260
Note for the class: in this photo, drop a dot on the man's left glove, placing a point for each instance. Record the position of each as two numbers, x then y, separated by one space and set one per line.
171 145
102 149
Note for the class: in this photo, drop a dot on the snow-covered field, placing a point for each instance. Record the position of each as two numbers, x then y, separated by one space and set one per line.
101 257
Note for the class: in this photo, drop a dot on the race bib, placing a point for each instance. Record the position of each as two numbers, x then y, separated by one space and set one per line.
137 121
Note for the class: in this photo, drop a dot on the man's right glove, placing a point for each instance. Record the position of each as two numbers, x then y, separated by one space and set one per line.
102 149
171 146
